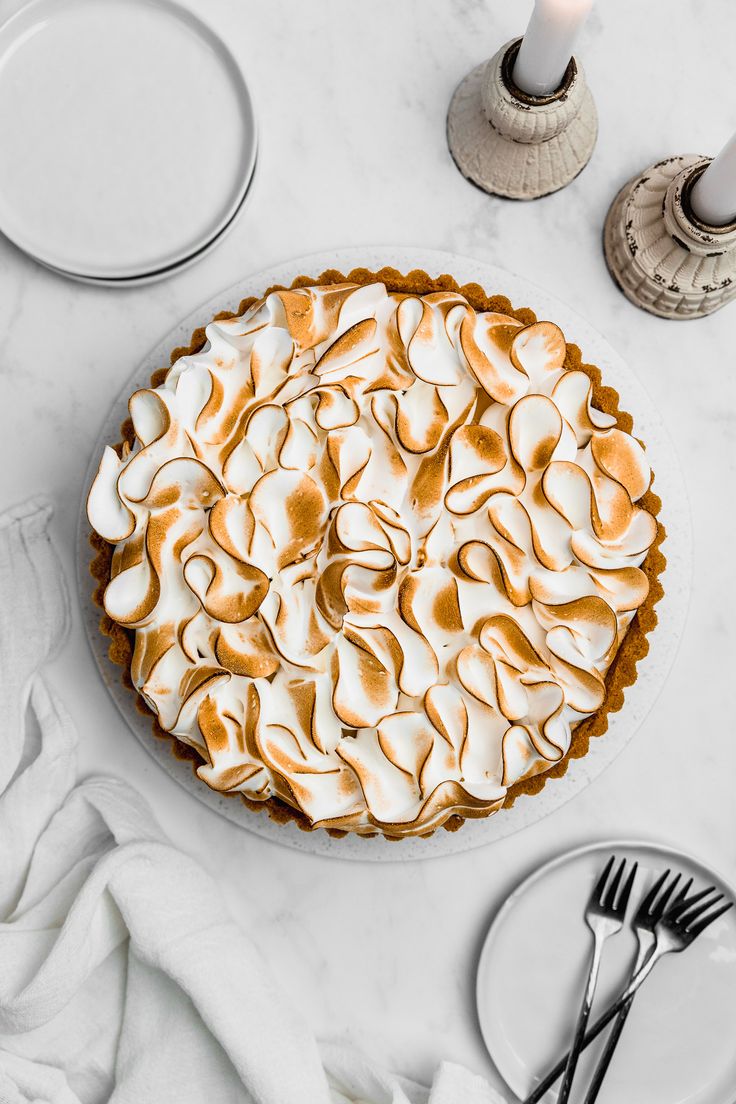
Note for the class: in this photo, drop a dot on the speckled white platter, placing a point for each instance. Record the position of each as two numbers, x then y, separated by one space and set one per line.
677 1045
672 610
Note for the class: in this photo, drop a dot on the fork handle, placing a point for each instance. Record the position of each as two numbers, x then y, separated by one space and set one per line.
578 1040
643 954
605 1059
603 1021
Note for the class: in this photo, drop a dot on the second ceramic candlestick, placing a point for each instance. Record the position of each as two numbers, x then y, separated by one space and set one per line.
664 259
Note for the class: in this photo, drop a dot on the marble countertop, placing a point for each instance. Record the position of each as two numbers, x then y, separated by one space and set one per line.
351 100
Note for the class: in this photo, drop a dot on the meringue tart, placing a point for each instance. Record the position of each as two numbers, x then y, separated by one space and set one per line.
379 553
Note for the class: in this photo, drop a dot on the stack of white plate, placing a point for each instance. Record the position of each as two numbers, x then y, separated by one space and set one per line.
127 137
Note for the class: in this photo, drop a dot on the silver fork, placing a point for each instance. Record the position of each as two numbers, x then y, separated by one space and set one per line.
674 931
604 916
650 911
682 933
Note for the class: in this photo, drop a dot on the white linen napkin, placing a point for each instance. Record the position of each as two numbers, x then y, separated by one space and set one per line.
123 977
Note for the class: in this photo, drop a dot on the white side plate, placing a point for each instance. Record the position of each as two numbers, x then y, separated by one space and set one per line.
671 611
677 1046
161 273
127 134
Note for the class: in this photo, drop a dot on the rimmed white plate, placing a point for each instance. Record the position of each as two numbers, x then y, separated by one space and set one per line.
678 1043
161 274
672 610
128 136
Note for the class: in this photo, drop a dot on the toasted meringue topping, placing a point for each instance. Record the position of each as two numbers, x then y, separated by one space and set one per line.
378 551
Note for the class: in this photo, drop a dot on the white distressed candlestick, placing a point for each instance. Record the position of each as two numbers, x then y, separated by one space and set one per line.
713 195
516 145
548 44
663 257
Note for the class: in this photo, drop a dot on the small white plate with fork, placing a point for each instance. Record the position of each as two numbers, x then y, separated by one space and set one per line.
679 1043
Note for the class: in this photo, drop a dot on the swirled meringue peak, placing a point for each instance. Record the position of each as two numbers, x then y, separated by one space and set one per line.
378 552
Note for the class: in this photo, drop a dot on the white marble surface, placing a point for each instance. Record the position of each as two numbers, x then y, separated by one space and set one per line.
351 99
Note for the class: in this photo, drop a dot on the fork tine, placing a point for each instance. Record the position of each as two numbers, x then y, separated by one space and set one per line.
696 929
683 893
661 905
647 901
681 905
696 910
597 894
623 900
612 890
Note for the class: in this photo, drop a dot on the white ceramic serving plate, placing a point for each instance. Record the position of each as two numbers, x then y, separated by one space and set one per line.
677 1046
128 136
671 611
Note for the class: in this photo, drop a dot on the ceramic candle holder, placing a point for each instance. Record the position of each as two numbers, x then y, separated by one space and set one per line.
660 254
515 145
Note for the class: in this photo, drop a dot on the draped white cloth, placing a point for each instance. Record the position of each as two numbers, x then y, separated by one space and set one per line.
122 976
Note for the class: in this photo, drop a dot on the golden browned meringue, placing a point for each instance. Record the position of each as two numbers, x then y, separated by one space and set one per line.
378 552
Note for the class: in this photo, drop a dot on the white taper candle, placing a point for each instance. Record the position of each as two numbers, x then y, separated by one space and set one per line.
713 198
548 45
